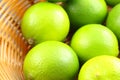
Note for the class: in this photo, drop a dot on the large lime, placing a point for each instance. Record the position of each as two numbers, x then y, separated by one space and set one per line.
51 60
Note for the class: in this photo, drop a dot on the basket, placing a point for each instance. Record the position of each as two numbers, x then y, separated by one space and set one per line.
13 46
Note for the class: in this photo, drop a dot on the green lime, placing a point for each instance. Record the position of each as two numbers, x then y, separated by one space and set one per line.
82 12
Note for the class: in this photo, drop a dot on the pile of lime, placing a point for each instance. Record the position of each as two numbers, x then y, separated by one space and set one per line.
72 40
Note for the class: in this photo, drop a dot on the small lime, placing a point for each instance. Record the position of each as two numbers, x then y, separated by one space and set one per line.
112 2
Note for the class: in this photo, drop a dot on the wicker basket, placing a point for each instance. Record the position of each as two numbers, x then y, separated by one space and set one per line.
13 46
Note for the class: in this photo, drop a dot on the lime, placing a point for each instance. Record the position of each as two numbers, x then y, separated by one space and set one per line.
82 12
112 2
92 40
102 67
113 20
45 21
51 60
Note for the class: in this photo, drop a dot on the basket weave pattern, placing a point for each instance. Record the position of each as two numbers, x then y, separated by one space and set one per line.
13 46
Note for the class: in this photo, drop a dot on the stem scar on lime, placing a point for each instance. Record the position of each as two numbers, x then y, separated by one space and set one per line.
30 41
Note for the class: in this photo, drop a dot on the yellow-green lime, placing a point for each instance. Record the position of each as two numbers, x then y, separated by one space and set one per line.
51 60
45 21
101 68
92 40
